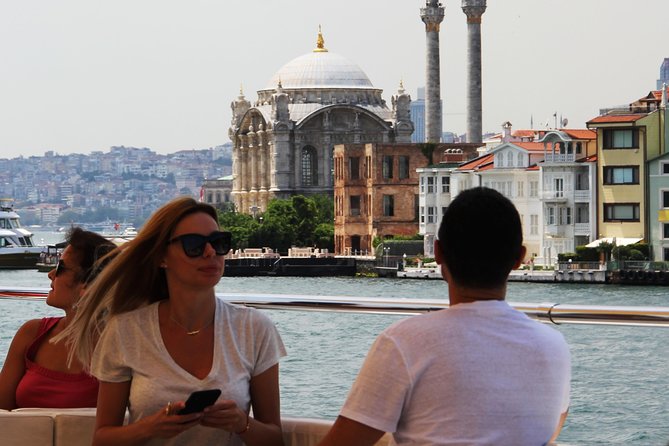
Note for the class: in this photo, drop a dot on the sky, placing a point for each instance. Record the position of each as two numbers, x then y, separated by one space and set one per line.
81 75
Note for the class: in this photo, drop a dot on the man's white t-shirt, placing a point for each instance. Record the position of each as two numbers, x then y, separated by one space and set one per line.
246 343
476 373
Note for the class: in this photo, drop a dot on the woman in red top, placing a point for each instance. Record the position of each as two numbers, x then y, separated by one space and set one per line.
36 372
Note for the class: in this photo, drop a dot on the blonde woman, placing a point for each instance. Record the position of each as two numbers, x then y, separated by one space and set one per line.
163 334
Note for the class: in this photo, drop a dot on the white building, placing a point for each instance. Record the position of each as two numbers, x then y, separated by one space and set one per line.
550 181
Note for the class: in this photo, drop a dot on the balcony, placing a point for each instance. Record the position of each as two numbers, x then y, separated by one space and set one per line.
582 196
555 230
581 229
555 196
559 158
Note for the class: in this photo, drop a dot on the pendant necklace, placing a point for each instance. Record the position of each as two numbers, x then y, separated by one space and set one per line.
194 332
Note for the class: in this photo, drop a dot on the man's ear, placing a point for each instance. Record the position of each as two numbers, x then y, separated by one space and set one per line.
521 257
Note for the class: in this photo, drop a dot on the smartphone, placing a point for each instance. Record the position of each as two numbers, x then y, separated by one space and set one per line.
200 399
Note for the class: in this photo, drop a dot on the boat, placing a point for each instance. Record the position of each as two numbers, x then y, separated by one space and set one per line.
17 249
49 258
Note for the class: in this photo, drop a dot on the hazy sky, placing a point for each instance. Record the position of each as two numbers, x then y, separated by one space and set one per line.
81 75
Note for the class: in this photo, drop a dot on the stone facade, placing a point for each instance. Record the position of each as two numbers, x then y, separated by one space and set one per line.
283 143
376 193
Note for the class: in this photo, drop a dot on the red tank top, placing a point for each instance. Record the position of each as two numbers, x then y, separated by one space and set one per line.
41 387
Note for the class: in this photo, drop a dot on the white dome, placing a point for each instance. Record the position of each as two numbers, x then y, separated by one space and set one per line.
320 69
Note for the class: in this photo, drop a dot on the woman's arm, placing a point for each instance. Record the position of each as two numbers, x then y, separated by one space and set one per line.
15 365
109 428
264 428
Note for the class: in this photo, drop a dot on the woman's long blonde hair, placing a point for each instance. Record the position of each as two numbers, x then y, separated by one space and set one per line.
132 279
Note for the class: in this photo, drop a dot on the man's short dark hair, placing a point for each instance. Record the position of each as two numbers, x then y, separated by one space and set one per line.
480 238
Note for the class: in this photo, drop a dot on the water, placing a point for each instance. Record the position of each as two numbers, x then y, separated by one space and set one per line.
619 379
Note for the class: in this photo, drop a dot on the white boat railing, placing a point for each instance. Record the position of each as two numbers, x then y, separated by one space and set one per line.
554 313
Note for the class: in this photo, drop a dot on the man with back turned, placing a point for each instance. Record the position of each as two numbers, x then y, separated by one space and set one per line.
477 373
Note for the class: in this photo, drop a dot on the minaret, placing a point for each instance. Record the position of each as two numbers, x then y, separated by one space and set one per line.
474 10
432 15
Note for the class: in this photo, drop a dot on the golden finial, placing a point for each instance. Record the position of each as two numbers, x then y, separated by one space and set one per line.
320 42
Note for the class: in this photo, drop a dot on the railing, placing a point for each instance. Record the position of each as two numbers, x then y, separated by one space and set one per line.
559 158
638 265
544 312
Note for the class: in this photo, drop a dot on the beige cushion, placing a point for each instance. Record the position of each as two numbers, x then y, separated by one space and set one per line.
25 429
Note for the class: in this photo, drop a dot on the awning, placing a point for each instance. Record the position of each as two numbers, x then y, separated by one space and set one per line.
618 241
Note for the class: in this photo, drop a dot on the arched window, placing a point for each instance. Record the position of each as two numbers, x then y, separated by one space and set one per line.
309 166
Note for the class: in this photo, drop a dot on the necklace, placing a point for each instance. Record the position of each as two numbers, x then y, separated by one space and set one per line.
194 332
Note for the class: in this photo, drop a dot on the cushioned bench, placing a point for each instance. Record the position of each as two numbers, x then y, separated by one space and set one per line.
74 427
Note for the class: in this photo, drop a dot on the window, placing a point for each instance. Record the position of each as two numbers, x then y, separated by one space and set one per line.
665 230
430 185
422 214
355 205
519 159
521 189
354 167
445 185
534 189
509 159
430 214
534 224
664 169
621 175
550 215
621 138
565 216
404 167
621 212
422 185
387 167
388 206
666 254
558 187
665 199
309 167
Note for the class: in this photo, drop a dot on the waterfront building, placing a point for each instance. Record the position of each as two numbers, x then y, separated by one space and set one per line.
217 191
375 193
627 139
550 177
283 142
567 180
658 206
432 15
434 190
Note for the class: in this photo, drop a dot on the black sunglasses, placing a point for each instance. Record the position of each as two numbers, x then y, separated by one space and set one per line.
194 244
60 267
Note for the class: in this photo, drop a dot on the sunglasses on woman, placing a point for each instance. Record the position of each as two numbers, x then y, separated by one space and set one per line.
60 268
194 244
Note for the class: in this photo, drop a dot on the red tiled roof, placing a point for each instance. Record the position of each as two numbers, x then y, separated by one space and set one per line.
580 133
589 159
477 162
523 133
530 146
616 118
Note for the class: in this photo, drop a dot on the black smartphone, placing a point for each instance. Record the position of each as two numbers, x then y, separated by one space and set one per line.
200 399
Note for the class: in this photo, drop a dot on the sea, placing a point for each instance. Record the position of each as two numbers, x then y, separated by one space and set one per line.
620 375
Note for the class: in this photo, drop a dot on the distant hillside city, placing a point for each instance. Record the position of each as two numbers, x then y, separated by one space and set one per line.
123 185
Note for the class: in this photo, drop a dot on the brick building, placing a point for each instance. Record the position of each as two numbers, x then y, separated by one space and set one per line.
375 193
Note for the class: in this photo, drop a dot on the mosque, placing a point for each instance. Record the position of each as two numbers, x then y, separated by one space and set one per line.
283 143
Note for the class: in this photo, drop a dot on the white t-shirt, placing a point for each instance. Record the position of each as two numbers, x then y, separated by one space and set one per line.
246 343
478 373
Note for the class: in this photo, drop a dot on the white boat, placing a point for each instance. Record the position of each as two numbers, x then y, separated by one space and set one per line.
17 249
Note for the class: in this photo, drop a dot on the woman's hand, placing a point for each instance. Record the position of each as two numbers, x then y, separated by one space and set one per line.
167 424
225 415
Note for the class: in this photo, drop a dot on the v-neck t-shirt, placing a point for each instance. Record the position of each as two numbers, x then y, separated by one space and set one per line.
246 343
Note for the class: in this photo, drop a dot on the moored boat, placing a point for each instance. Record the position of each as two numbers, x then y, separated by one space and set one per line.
17 249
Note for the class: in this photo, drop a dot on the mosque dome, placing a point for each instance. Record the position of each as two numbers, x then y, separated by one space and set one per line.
320 69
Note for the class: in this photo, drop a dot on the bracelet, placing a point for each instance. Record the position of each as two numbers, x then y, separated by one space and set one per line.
246 428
